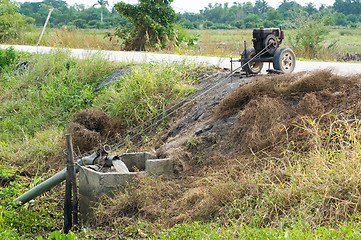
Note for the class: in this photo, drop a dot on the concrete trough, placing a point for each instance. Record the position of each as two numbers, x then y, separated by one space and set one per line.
94 183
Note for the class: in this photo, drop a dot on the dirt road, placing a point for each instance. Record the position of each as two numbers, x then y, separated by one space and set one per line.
338 67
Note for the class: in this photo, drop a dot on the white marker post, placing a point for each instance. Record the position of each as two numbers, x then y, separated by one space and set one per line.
46 22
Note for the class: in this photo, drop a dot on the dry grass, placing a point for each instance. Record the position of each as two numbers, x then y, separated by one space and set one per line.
268 106
260 124
285 86
77 38
320 187
307 168
91 128
69 38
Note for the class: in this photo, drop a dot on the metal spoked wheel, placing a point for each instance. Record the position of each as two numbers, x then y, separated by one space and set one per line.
252 67
284 60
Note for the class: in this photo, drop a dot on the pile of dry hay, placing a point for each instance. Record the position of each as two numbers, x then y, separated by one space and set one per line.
224 180
268 107
91 128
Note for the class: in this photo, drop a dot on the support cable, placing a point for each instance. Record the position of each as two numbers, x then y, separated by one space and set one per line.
181 104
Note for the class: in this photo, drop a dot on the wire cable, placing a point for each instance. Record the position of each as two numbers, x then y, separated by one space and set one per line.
181 104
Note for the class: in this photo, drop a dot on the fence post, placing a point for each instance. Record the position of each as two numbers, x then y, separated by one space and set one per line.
46 22
70 204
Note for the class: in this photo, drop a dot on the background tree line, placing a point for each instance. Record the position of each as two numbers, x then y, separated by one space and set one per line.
345 13
96 16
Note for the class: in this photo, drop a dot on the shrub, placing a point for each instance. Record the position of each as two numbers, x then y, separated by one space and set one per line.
187 24
341 19
309 35
152 24
347 33
184 38
238 24
220 26
80 23
207 24
7 57
352 18
271 24
353 25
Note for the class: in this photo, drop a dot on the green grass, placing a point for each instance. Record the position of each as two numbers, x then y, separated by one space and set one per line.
35 107
294 195
147 91
221 43
215 231
38 217
198 230
36 103
53 87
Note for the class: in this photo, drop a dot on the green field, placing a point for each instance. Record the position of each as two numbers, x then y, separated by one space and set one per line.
222 43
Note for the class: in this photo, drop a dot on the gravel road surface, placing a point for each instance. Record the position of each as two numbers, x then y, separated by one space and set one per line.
338 67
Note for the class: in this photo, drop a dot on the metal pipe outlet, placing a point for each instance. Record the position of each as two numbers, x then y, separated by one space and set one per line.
54 180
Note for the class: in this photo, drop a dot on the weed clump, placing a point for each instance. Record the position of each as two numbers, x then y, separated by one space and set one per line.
7 57
91 127
147 91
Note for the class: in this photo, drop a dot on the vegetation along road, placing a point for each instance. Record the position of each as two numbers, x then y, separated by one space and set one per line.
136 57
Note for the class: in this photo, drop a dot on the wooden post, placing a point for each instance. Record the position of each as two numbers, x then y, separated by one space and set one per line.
70 205
46 22
245 56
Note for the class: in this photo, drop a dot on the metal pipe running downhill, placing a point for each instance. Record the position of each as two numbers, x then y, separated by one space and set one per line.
54 180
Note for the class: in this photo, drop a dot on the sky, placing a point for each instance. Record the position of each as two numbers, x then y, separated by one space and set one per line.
194 5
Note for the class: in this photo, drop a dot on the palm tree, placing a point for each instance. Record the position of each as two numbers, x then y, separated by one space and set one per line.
102 3
261 6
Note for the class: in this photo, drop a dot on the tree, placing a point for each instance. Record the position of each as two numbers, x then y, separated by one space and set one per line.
347 6
328 16
309 35
10 20
102 4
341 19
215 13
248 8
261 7
310 8
251 21
273 18
151 24
288 8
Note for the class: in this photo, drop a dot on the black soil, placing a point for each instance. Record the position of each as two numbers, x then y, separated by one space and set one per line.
251 114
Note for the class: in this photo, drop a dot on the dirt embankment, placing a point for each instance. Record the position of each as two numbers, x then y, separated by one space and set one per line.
257 114
234 135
